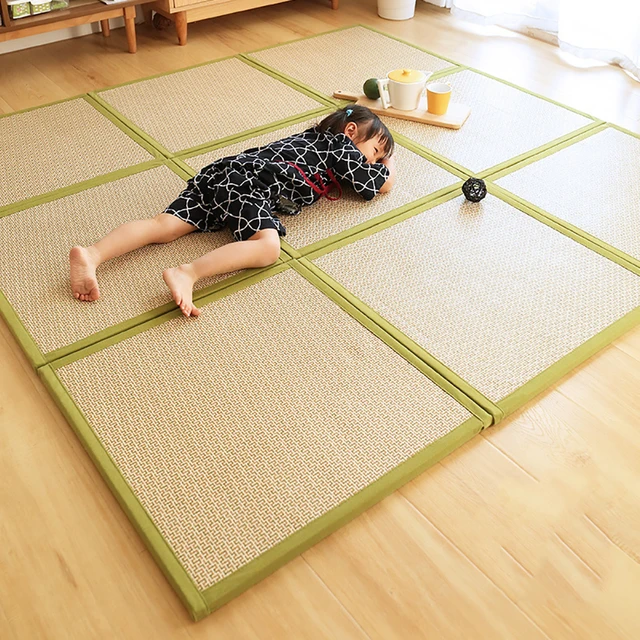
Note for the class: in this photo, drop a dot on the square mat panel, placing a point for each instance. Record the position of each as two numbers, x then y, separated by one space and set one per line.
34 261
236 430
504 123
489 291
343 60
188 108
56 146
416 178
592 184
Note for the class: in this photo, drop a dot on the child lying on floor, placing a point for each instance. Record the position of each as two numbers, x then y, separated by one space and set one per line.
243 193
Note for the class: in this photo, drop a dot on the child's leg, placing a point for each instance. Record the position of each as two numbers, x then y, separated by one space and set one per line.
261 250
127 237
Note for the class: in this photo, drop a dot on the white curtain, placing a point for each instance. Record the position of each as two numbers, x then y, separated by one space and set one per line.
606 31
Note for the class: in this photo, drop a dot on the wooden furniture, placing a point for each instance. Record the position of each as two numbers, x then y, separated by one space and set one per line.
78 12
181 12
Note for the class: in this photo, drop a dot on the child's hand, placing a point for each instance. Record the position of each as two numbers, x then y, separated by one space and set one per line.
390 163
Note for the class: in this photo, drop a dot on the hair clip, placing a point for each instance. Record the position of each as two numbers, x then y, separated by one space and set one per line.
348 112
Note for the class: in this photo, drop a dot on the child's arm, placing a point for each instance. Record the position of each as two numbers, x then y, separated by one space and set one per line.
390 163
350 166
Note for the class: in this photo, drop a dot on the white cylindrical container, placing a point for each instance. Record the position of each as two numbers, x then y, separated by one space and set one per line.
396 9
402 89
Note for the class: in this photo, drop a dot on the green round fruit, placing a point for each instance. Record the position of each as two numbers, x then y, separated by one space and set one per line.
370 88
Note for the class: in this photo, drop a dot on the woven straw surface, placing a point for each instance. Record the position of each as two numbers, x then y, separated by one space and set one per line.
504 123
192 107
34 263
592 184
343 60
415 179
489 291
239 428
56 146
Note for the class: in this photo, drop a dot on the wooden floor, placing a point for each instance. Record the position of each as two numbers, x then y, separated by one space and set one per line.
530 531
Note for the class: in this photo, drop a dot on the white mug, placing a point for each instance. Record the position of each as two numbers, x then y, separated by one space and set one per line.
404 96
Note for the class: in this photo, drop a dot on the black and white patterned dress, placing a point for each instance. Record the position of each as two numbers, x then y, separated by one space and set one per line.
241 192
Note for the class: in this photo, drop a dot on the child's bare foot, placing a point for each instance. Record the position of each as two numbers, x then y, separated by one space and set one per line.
180 280
84 283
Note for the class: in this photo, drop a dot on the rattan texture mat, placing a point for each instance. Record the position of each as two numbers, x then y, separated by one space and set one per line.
239 429
34 271
486 289
344 59
59 145
592 184
189 108
504 123
416 178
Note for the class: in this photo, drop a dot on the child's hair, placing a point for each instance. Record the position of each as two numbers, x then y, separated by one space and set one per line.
369 125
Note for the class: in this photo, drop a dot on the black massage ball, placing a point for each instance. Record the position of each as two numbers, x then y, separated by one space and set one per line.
474 189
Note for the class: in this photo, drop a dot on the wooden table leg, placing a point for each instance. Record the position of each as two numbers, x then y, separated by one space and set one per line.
130 26
147 12
181 26
334 4
104 25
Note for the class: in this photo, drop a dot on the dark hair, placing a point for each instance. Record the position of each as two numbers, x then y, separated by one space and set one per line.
369 125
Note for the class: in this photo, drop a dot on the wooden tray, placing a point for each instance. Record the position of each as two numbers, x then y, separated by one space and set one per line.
454 118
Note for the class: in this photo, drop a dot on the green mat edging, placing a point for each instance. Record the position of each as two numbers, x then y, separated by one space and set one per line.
393 338
456 68
567 229
35 355
256 131
568 363
129 127
42 106
248 135
451 165
513 85
104 336
77 187
377 222
126 125
559 224
315 92
31 349
368 316
202 603
315 531
137 135
544 153
146 321
20 333
498 409
157 545
590 347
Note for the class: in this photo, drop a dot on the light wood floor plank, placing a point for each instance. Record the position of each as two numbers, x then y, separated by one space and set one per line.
401 577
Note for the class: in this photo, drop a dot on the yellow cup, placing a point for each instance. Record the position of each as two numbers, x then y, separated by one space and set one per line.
438 96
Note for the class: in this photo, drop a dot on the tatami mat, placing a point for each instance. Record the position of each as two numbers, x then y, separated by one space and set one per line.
488 290
592 184
343 60
56 146
238 429
504 123
34 271
203 104
416 178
